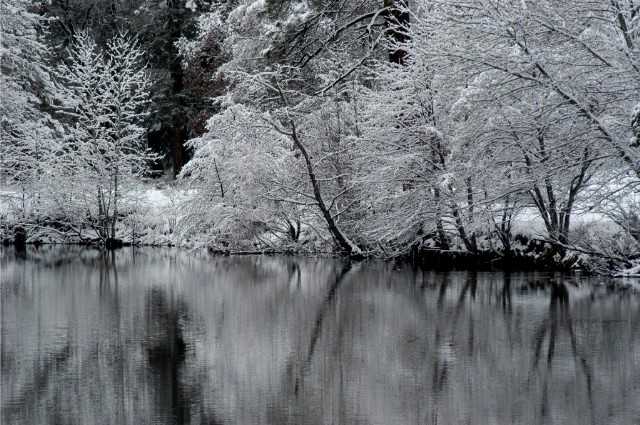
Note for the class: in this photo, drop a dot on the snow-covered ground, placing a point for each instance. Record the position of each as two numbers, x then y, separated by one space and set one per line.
529 222
155 215
630 272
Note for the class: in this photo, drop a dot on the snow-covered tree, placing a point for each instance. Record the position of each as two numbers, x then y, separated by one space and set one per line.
426 122
287 69
235 173
105 96
26 88
455 138
584 52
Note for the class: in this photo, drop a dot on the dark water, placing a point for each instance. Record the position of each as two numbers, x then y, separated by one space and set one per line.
169 337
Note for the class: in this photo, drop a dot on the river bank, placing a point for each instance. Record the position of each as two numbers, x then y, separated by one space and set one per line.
155 217
534 256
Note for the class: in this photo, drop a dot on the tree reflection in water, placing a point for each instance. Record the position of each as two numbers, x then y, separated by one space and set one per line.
172 337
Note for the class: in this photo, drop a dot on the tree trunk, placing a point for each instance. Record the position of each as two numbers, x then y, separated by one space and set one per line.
344 243
175 25
504 229
179 138
115 205
469 241
219 179
443 242
102 214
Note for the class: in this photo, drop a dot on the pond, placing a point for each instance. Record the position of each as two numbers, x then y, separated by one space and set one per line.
161 336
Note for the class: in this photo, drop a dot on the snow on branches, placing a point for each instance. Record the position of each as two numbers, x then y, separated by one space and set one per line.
104 95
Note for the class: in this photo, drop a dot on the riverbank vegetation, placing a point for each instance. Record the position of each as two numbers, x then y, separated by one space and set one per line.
494 132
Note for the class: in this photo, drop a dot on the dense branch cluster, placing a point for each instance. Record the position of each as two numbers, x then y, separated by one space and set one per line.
385 127
73 167
430 123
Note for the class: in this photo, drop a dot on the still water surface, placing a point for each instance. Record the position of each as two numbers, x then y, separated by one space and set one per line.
172 337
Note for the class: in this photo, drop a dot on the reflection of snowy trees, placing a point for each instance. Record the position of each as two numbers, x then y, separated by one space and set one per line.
271 340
